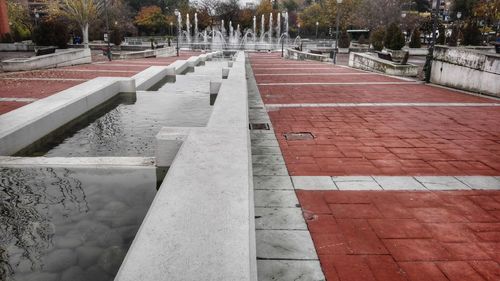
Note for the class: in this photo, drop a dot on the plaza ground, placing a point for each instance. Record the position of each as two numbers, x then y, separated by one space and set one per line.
384 171
361 176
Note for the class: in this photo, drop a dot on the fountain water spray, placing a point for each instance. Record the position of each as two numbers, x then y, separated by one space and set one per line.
278 25
271 28
196 33
262 28
254 31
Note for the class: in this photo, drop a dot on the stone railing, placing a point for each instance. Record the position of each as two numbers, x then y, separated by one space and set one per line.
466 69
58 59
369 62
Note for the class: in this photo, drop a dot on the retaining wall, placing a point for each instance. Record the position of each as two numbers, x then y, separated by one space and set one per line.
298 55
371 63
22 127
58 59
466 69
16 47
201 224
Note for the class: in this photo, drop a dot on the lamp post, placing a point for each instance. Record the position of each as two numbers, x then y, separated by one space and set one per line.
317 24
428 61
171 24
107 29
176 13
403 16
335 50
459 15
298 31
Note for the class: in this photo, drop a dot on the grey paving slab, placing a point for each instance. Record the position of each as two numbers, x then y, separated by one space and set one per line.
287 270
358 185
259 150
254 136
272 182
398 183
313 183
442 183
352 178
285 244
265 142
275 198
480 182
268 159
269 170
279 219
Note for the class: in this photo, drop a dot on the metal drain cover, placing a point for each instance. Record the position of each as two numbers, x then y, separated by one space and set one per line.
258 126
293 136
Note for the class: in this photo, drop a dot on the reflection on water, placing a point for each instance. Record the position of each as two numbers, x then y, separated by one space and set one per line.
60 224
129 129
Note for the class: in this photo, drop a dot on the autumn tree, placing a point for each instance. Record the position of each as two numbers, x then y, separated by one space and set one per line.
150 19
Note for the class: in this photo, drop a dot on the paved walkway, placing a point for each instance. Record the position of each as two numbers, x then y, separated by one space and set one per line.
396 180
42 83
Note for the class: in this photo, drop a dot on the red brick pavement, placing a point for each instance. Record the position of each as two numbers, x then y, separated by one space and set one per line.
6 106
325 78
391 140
363 94
407 236
378 140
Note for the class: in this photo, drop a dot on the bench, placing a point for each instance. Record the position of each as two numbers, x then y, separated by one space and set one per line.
315 52
44 51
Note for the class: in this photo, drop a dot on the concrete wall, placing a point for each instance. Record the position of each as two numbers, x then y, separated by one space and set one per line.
371 63
16 47
58 59
298 55
201 223
466 69
22 127
162 52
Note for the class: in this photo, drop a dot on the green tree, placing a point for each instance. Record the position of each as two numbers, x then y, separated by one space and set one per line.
150 19
377 39
472 34
394 38
52 31
20 22
415 39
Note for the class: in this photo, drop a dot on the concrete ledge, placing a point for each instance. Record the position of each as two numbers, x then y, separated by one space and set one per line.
58 59
368 62
466 69
201 224
180 66
25 125
298 55
16 47
7 161
416 51
161 52
152 75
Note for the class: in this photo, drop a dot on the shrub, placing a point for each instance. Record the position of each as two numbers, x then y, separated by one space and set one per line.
442 36
453 41
415 39
472 34
116 36
6 38
344 40
362 39
394 38
52 32
377 39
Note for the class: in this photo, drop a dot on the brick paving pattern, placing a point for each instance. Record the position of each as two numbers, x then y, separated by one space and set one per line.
387 235
382 140
412 236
